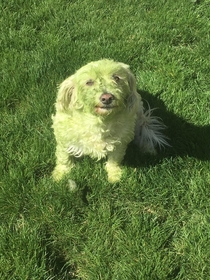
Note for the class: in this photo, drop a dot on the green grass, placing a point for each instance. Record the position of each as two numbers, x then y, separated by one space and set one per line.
155 223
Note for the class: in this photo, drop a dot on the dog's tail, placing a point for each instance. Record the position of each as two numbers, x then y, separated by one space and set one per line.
149 132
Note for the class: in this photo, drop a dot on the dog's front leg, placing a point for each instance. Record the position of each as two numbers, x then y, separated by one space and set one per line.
113 163
64 163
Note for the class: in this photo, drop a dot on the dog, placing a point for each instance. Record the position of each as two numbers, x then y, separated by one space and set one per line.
98 113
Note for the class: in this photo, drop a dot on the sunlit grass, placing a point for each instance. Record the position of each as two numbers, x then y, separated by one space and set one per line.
154 224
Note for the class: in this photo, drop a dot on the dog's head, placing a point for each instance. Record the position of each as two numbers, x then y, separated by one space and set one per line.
102 87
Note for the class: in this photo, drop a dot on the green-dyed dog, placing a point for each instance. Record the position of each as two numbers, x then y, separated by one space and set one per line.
98 112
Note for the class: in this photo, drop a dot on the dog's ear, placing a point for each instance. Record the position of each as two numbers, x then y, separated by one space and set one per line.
133 98
66 94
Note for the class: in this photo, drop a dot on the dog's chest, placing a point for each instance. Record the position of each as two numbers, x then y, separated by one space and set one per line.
95 141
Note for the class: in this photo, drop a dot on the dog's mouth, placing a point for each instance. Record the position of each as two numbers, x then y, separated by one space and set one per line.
104 109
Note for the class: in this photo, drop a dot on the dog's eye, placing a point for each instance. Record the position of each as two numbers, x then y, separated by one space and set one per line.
116 78
89 82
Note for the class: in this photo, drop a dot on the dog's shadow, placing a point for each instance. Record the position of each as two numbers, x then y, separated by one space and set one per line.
185 139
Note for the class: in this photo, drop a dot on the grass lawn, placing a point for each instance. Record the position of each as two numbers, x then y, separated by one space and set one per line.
155 223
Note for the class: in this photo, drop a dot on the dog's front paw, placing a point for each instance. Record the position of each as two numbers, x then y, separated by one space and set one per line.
114 172
60 171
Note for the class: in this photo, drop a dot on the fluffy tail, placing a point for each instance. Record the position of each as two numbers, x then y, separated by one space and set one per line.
148 132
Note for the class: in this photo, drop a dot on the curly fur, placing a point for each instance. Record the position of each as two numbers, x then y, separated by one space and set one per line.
98 112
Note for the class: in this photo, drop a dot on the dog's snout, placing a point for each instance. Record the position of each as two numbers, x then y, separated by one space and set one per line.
107 98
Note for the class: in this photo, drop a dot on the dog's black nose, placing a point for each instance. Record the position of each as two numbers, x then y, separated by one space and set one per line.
107 98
